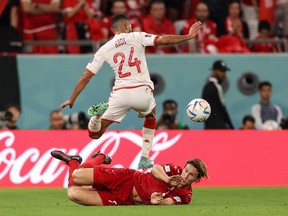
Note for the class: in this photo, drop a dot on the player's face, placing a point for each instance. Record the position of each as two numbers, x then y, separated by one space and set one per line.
189 175
265 92
157 11
202 12
118 8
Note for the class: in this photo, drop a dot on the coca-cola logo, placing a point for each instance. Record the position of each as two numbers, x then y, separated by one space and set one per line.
36 166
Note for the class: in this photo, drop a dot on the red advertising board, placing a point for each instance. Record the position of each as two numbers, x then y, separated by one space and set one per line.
233 158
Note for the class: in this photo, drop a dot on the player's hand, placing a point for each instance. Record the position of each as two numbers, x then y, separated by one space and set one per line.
194 29
175 180
156 198
69 103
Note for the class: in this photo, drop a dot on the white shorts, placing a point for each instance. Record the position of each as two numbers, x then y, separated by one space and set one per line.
140 99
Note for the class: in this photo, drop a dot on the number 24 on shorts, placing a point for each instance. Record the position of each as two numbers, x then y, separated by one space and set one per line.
131 62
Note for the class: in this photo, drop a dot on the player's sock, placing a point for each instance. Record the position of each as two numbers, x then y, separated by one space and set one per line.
93 162
94 124
148 135
73 164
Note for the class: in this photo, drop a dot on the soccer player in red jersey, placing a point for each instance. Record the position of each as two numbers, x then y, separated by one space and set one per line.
165 185
133 88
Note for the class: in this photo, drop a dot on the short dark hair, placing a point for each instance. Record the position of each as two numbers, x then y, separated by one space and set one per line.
156 2
248 118
54 111
264 24
15 106
117 18
169 101
264 83
233 1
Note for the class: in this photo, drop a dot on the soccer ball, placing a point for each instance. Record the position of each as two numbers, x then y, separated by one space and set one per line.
198 110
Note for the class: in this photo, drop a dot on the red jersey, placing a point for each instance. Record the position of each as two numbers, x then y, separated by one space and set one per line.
80 16
41 22
266 10
146 184
106 25
166 27
264 47
208 30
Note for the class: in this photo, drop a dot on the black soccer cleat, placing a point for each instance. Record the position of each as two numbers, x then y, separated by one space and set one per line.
107 159
64 157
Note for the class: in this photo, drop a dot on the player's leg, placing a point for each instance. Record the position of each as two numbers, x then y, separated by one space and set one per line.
144 103
148 131
84 196
73 161
96 127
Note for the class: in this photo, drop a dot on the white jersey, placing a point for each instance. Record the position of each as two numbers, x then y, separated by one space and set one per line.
125 53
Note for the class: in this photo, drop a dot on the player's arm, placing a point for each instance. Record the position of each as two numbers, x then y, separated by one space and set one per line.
159 173
174 39
81 84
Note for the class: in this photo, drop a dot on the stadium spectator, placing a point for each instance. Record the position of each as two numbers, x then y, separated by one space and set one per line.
157 23
118 7
265 111
233 41
9 26
248 123
168 119
174 8
57 121
213 94
206 35
80 24
250 16
218 12
10 117
39 24
280 27
165 185
264 34
136 9
266 10
233 23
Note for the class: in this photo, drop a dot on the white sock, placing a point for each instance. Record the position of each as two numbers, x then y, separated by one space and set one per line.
94 124
148 135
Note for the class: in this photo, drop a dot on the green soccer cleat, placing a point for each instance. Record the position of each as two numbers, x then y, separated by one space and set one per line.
145 163
97 110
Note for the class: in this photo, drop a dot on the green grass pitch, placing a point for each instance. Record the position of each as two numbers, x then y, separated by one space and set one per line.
207 201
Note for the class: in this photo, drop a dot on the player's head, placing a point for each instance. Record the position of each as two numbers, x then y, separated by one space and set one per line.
193 171
118 7
265 90
57 121
248 123
201 12
120 24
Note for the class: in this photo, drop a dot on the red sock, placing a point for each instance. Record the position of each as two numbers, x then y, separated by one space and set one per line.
150 123
73 164
93 162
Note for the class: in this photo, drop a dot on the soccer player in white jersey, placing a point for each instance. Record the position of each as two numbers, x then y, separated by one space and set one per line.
133 88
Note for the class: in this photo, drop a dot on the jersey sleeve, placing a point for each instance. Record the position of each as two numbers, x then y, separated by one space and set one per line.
146 39
182 198
171 169
96 62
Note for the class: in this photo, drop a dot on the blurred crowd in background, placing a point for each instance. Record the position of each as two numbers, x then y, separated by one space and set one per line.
228 26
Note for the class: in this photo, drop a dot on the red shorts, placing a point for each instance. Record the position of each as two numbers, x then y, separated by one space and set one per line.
114 185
